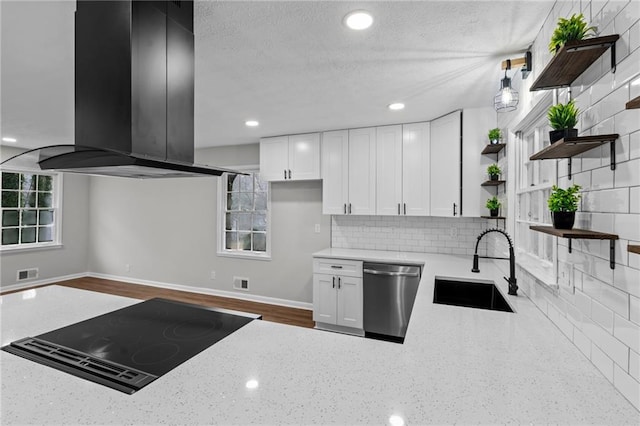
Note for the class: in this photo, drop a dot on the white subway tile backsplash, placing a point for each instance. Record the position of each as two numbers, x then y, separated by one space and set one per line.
583 303
634 365
634 309
627 69
602 316
602 362
614 348
602 178
628 280
627 226
627 332
634 200
627 385
613 298
627 121
606 201
634 37
627 173
582 342
634 142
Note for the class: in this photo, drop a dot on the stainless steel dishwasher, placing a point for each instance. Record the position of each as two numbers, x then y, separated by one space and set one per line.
389 293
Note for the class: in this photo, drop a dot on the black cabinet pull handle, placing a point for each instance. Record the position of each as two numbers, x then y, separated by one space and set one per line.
289 174
334 282
339 282
405 209
454 209
345 208
349 208
336 267
398 208
285 174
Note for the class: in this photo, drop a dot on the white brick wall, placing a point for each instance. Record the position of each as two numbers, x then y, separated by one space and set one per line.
406 233
601 312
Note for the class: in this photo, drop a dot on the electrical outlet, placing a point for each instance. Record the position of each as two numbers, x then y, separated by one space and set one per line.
317 228
213 275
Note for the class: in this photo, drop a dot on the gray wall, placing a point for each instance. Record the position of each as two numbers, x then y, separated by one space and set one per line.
72 257
166 231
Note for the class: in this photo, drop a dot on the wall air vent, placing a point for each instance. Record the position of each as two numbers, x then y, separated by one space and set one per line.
241 283
27 274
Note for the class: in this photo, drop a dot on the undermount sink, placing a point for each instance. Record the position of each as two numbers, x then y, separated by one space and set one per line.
471 294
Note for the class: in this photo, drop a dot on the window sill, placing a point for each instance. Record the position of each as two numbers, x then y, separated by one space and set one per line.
542 271
242 255
26 249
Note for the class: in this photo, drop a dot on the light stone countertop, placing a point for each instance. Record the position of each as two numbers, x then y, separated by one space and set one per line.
457 365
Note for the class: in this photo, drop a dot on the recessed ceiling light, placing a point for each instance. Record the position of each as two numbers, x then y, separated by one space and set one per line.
252 384
396 420
358 20
396 106
11 140
251 123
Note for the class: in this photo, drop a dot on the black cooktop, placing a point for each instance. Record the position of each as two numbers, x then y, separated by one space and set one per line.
129 348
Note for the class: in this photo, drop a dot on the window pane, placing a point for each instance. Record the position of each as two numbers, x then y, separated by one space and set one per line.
45 183
45 233
238 240
10 236
10 218
260 185
261 201
29 217
28 199
259 221
246 183
238 221
259 242
10 180
46 217
9 199
28 182
45 199
231 239
28 235
232 185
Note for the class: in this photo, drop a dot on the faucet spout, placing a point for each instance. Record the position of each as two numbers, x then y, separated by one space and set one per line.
513 286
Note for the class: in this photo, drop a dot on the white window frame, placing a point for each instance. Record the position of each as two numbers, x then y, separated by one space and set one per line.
222 208
537 258
57 217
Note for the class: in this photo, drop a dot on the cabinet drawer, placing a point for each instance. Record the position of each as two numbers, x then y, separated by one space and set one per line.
348 268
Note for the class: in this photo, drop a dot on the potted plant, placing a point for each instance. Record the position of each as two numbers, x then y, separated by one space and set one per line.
563 204
572 29
493 204
495 135
562 119
494 171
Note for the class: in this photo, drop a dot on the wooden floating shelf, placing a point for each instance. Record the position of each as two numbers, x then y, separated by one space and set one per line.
581 234
570 146
493 148
572 60
493 217
492 183
633 249
632 104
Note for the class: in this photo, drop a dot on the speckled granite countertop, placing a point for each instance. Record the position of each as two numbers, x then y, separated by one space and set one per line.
457 365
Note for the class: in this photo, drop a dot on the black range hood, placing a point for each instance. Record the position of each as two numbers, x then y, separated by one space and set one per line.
134 93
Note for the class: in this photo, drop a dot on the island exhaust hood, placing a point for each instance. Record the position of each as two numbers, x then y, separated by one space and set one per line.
134 93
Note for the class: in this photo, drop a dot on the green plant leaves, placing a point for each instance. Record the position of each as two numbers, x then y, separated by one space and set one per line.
493 203
564 200
572 29
495 134
493 169
563 116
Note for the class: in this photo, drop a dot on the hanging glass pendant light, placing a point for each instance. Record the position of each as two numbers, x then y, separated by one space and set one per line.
507 98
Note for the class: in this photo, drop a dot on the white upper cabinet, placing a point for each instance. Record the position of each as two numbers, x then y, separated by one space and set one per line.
445 165
416 180
362 171
295 157
389 170
335 172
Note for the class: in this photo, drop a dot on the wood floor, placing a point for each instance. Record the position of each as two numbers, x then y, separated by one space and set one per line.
273 313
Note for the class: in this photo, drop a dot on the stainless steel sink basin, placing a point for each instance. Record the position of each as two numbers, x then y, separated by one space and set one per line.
471 294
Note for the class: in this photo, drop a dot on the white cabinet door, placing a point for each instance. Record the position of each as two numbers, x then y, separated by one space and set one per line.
362 171
416 184
445 165
389 171
335 172
349 313
274 158
304 156
324 298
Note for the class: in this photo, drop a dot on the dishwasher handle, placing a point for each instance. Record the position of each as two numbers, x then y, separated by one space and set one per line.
391 273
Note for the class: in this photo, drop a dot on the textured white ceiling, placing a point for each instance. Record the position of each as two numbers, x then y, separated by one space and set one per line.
292 66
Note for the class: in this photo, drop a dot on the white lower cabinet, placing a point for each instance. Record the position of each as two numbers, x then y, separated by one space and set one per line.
337 295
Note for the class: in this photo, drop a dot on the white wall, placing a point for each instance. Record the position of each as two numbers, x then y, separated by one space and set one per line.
598 308
165 230
52 263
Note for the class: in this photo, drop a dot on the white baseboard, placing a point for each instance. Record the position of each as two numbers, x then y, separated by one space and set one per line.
208 291
45 281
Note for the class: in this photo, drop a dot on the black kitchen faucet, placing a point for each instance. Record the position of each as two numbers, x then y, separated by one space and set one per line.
513 287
